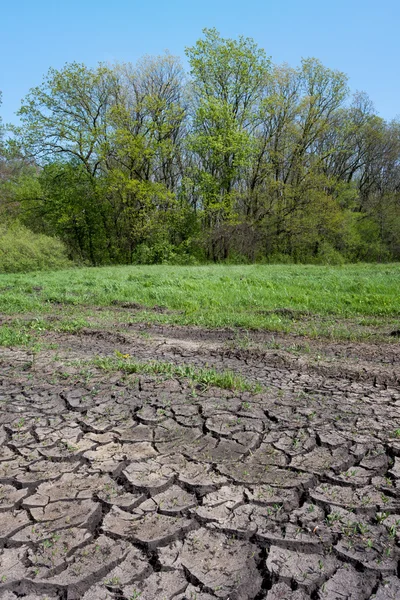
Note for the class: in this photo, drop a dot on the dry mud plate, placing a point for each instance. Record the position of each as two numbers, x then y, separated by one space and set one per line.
125 487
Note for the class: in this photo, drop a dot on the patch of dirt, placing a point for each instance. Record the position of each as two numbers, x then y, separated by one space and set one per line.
376 362
139 307
116 487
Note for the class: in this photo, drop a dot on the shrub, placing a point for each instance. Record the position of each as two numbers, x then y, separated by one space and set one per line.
278 258
328 255
21 250
163 253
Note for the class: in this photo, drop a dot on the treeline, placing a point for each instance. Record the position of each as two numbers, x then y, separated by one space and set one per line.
239 160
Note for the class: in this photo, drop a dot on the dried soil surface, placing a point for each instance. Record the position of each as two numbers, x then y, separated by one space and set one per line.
116 487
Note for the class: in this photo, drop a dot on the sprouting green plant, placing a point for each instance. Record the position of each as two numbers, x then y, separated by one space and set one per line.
332 518
112 581
362 528
67 446
381 516
393 531
351 473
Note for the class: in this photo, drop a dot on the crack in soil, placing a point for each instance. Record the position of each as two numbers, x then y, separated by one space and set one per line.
117 487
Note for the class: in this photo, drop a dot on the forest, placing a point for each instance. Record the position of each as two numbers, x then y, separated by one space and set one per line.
233 159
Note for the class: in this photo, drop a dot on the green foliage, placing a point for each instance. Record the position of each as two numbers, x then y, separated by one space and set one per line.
328 255
242 161
164 253
21 250
228 83
278 258
67 114
11 337
63 201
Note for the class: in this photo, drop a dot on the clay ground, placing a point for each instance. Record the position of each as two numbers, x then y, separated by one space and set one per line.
121 487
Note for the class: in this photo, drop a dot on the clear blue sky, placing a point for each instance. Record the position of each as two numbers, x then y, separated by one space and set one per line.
359 37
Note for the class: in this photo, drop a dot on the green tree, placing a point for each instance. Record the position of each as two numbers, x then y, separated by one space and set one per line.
65 130
287 179
228 83
145 164
66 117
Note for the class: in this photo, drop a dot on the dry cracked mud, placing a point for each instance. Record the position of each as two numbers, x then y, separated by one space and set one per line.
116 487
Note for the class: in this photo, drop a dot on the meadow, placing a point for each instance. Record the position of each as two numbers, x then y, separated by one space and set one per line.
341 302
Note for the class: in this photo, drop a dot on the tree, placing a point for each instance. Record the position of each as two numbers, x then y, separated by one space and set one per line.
145 157
67 116
149 119
65 122
228 82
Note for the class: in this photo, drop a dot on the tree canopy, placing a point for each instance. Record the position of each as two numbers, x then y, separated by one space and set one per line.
239 159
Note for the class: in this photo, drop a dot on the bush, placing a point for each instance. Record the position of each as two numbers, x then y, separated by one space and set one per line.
277 258
236 258
163 253
21 250
328 255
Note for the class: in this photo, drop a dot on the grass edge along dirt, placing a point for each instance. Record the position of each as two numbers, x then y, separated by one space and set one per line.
227 380
303 299
28 333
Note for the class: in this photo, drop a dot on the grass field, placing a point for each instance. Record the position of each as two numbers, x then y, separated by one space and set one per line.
347 302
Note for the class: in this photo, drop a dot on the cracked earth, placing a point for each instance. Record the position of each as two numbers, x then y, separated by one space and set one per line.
116 487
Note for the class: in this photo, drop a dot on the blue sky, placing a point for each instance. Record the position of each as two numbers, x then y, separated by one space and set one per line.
359 37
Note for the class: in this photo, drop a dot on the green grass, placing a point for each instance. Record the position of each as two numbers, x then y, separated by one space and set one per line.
251 297
18 332
10 336
227 380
